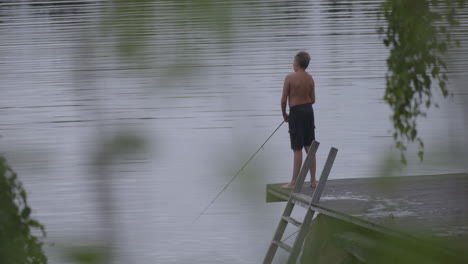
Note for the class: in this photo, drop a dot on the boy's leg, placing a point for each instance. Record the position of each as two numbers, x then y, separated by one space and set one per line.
313 181
296 168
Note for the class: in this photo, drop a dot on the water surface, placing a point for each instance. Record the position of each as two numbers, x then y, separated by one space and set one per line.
201 83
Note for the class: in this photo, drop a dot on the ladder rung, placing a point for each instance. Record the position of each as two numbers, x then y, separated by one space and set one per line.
292 221
282 245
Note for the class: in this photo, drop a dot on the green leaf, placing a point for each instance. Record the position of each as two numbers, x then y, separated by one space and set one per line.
403 159
413 134
421 143
421 155
87 255
26 212
23 195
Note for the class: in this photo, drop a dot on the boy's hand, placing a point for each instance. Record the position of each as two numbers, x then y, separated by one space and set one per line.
285 117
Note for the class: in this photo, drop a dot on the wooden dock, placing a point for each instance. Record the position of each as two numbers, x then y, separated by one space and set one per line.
426 206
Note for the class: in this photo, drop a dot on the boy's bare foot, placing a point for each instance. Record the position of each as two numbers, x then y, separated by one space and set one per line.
287 186
313 184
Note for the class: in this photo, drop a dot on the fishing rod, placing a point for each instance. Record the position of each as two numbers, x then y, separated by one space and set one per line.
238 172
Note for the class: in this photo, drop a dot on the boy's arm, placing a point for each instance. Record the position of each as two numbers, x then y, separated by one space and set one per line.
312 92
284 98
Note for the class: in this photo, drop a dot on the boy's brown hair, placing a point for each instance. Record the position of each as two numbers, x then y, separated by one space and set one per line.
302 58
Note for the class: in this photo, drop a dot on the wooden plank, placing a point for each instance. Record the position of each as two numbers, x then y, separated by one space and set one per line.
301 199
353 220
282 245
292 221
273 195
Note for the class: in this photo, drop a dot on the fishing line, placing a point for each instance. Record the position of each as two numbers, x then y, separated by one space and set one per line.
238 172
291 235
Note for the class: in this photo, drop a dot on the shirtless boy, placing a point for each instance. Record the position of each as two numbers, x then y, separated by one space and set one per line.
299 91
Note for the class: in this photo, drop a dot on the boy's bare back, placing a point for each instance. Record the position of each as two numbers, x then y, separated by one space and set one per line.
299 88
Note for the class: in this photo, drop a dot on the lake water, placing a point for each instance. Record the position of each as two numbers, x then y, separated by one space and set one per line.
200 83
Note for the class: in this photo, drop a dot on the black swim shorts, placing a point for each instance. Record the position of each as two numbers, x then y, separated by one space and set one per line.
301 125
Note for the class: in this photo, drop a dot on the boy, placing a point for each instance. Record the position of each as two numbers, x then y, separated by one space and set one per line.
299 90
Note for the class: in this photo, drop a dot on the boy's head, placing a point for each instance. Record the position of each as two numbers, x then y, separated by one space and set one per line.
302 59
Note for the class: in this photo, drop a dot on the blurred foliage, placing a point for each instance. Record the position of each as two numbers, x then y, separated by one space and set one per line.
111 150
418 33
331 240
120 145
132 23
87 255
18 244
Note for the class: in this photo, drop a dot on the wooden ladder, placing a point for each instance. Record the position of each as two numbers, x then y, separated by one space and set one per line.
286 218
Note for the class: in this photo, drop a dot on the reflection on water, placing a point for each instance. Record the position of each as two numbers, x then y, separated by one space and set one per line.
201 82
